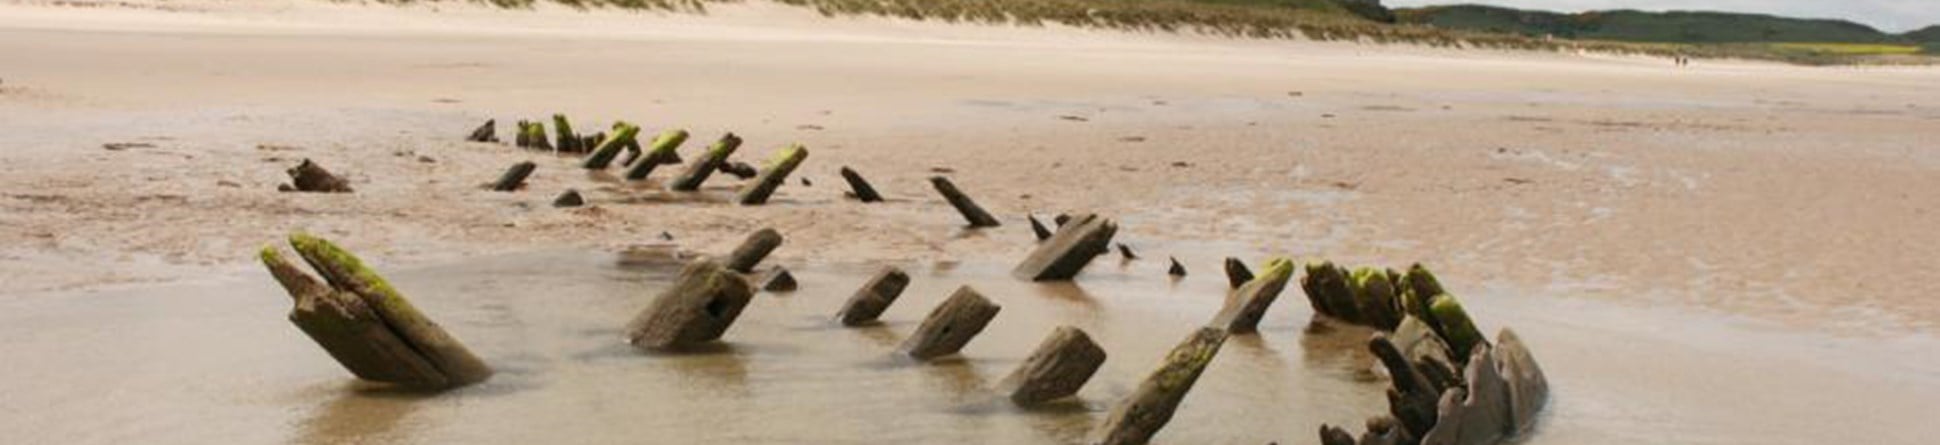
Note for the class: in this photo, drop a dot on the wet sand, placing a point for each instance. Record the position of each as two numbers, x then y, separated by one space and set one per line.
1689 247
216 363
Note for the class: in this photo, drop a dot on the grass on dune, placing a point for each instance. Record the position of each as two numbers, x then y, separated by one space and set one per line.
1857 49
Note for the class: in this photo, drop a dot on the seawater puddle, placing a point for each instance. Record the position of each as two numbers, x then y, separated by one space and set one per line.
219 364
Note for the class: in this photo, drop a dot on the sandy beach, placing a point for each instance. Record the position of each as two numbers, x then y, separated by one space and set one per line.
1794 202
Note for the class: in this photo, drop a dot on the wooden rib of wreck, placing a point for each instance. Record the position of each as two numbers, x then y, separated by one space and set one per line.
663 147
703 167
1143 413
874 297
951 325
365 324
704 301
1067 252
1056 370
859 187
771 178
971 211
514 177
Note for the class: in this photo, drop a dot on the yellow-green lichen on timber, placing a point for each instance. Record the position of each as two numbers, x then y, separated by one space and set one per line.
784 156
346 272
1184 364
1456 326
1276 268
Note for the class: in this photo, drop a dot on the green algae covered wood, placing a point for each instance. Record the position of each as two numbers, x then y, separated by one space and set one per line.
567 140
349 330
772 175
610 148
1247 304
1140 415
663 147
698 172
1456 327
346 272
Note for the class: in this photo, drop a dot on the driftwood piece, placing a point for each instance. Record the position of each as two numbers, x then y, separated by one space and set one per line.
739 170
779 279
702 168
1482 416
1246 305
1126 251
610 148
752 250
1067 252
570 198
349 330
1037 228
971 212
874 297
567 140
1177 270
514 177
345 272
859 187
701 305
485 133
310 177
771 177
1140 415
1056 370
1236 273
951 325
663 146
1528 389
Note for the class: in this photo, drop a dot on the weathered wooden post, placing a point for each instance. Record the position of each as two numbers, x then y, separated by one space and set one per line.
1140 415
1236 273
532 135
951 325
1060 366
1456 327
568 141
1177 270
514 177
874 297
570 198
1247 304
1374 292
310 177
971 212
1037 228
1327 287
357 338
771 178
703 302
1528 389
1412 398
703 167
739 169
485 133
662 147
1067 252
753 249
1126 251
859 187
610 148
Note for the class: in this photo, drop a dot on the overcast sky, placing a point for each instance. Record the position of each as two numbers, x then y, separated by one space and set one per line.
1889 15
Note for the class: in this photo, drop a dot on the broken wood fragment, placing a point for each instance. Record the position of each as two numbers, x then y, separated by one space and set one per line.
951 325
1061 219
859 187
514 177
971 212
610 148
699 308
349 330
570 198
1483 415
1140 415
772 176
485 133
662 147
1247 304
532 135
1236 272
1374 292
1038 229
310 177
1067 252
346 273
568 141
702 168
739 169
1056 370
758 245
778 280
874 297
1330 293
1177 270
1126 251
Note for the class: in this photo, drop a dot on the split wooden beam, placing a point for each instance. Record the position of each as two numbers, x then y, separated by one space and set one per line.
1066 253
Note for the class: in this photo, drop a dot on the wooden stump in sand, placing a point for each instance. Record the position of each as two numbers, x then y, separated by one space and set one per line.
771 178
1060 366
514 177
663 147
366 324
310 177
970 210
1236 272
1037 228
1247 304
860 187
485 133
610 148
702 168
532 135
752 250
951 325
874 297
1140 416
1067 252
567 140
704 301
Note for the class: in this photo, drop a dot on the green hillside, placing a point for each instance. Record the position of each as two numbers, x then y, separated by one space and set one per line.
1639 26
1930 34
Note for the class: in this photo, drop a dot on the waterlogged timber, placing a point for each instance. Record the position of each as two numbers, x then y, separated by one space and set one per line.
221 357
